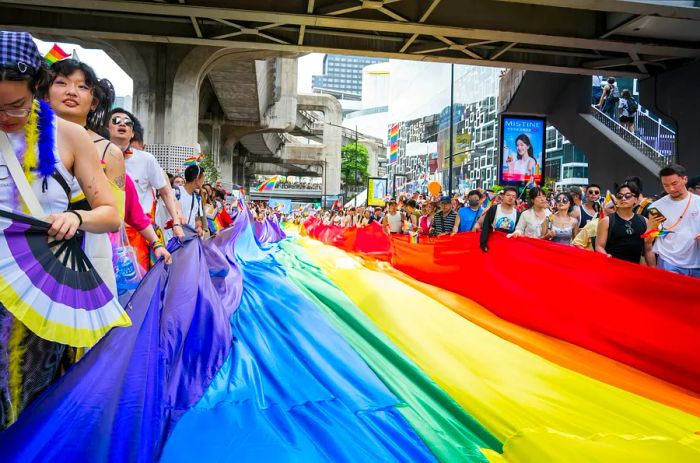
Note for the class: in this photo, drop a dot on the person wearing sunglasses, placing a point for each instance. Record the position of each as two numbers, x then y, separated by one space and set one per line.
619 235
590 206
77 95
144 170
561 227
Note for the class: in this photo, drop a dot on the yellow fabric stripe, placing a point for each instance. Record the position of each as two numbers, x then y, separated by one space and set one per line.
52 331
79 197
14 365
541 411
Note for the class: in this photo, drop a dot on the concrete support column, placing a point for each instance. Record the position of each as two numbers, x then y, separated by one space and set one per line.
675 96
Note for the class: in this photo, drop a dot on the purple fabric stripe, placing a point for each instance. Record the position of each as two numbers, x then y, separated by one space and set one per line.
85 299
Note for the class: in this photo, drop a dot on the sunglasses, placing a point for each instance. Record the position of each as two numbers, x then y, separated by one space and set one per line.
624 196
116 120
593 192
563 200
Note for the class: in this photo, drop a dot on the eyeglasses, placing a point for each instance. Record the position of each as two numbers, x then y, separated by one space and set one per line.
625 196
563 200
116 120
593 192
24 112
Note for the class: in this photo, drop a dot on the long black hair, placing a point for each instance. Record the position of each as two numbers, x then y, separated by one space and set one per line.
525 139
102 90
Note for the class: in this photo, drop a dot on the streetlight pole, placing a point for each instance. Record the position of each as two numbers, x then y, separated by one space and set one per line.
451 150
355 198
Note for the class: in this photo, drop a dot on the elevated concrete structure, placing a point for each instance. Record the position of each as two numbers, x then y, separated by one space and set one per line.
566 102
193 50
633 37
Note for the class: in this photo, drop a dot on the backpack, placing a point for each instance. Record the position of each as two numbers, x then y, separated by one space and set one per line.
613 95
632 106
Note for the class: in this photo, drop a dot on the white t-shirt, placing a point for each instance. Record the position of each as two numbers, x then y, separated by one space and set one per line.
147 174
191 205
680 248
530 225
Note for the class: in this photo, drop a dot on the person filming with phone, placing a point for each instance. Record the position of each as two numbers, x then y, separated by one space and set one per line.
676 216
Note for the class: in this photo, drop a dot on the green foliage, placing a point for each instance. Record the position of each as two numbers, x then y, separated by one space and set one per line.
211 170
350 162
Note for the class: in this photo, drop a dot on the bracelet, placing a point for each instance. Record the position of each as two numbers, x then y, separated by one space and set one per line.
157 245
80 217
177 225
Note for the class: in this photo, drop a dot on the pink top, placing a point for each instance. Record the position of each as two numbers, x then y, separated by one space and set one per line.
424 224
133 214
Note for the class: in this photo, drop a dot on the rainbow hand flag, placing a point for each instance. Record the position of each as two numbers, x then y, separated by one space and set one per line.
193 160
55 54
656 233
269 184
532 183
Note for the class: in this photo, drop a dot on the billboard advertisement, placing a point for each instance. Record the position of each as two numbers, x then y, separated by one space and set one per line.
376 191
522 153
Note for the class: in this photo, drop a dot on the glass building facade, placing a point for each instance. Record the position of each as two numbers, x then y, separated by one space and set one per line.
343 73
423 149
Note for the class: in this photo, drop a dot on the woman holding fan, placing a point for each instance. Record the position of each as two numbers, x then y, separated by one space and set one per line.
44 303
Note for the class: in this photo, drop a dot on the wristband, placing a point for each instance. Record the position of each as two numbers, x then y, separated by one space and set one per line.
157 245
80 217
177 225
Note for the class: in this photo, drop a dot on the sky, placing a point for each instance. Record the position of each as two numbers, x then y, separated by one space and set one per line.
309 65
103 65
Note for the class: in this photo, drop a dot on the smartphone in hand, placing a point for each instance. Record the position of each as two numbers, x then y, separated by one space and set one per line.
657 214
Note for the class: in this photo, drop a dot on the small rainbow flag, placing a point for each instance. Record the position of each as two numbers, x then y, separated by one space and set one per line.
532 183
656 233
269 184
193 160
55 54
487 202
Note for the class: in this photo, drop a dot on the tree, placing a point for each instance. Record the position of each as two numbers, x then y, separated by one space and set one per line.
351 163
211 170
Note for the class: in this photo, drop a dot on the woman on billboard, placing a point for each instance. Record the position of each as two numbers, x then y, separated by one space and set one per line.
525 165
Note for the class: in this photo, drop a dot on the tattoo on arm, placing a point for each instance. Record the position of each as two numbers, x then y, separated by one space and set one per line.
120 181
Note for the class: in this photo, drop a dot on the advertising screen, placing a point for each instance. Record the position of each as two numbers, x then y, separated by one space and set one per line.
522 149
376 191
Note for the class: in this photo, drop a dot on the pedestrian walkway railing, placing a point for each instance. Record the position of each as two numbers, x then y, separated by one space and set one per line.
652 138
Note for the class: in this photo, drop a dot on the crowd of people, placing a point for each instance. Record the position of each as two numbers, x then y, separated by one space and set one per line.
660 231
85 164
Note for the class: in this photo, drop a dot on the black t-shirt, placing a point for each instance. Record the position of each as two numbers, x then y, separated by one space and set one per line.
625 237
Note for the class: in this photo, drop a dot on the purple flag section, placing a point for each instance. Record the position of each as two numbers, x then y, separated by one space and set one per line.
268 231
122 400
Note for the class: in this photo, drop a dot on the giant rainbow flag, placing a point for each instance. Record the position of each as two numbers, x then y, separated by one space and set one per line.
323 344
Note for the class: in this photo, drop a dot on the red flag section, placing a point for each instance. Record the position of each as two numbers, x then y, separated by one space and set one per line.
646 318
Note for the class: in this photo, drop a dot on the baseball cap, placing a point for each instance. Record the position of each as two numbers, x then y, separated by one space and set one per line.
445 199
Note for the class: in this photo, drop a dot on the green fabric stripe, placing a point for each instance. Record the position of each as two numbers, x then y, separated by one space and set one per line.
446 428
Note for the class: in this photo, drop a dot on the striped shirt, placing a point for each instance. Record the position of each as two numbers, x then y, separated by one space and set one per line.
443 223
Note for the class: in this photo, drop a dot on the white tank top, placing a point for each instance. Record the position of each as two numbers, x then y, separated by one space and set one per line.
394 222
51 195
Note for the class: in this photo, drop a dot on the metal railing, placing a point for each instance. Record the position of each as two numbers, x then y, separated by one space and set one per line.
655 140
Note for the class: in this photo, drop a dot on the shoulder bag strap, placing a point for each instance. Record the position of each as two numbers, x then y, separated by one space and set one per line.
25 190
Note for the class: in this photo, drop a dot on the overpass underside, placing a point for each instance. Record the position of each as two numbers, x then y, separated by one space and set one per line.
631 37
237 58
